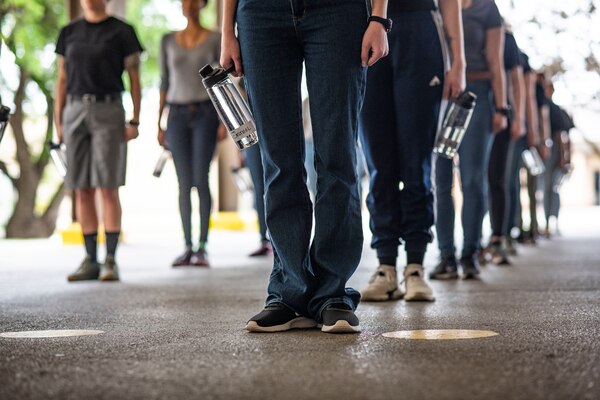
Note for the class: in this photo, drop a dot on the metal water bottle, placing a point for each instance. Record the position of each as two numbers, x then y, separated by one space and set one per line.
455 125
58 154
4 112
160 163
230 106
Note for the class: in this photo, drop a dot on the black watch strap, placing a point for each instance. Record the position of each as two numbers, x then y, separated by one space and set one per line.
506 111
386 22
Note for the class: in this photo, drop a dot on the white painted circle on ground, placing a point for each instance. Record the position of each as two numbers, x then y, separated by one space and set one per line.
440 334
49 334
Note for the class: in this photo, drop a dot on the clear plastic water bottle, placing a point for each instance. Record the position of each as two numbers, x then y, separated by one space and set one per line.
455 125
533 161
230 106
161 162
58 154
4 113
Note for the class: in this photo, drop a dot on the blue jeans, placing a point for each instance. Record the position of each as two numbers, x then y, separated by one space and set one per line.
398 124
551 176
254 164
513 181
275 38
473 155
192 137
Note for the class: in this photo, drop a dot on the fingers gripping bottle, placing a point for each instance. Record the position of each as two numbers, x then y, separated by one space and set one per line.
230 106
455 125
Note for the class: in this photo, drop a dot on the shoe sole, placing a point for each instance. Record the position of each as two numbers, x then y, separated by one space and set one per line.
396 294
77 279
419 296
444 277
109 278
296 323
471 276
340 326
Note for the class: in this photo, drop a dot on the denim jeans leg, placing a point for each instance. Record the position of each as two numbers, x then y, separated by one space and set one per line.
444 205
179 137
332 32
272 62
254 164
205 123
474 156
513 181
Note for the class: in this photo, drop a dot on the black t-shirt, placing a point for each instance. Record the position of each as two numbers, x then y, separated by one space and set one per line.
399 6
95 54
512 56
525 63
540 95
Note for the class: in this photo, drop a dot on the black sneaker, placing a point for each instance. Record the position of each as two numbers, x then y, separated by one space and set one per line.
470 266
447 269
339 318
277 317
499 254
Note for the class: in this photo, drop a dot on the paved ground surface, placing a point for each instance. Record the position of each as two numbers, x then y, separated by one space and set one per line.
179 333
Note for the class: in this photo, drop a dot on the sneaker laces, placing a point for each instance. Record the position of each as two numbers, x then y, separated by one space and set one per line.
380 273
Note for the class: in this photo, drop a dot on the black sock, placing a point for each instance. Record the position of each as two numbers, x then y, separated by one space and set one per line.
415 257
387 261
112 239
91 243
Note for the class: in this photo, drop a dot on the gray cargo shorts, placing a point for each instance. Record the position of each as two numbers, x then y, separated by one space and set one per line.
94 135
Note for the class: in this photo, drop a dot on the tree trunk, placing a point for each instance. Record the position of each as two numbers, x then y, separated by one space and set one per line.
24 223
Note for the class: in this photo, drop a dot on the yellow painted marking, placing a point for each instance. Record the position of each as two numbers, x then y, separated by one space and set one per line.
440 334
49 334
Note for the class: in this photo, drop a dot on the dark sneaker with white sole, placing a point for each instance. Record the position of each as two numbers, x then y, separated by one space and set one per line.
470 266
277 317
88 270
339 318
447 269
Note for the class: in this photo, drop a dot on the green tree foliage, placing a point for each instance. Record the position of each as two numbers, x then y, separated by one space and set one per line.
29 30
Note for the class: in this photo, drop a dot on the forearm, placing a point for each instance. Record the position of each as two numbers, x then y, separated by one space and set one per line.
531 108
136 93
451 14
379 8
545 123
60 95
228 22
161 106
518 87
499 85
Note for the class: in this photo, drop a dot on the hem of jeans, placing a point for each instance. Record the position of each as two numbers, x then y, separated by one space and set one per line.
275 301
336 300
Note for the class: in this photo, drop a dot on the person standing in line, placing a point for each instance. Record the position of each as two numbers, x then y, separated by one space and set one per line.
484 45
398 125
498 164
192 124
93 52
516 149
337 40
557 162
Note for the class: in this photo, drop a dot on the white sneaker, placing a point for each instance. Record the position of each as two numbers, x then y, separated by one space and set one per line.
416 287
383 285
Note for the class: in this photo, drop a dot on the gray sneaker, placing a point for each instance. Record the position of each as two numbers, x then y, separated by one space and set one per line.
109 271
416 287
87 271
383 285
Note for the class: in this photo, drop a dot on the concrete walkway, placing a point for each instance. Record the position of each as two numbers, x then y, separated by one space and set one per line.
178 334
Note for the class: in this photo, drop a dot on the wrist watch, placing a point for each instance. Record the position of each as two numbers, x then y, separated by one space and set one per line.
133 122
548 142
386 22
506 111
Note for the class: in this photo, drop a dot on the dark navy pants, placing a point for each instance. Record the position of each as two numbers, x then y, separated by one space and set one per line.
398 124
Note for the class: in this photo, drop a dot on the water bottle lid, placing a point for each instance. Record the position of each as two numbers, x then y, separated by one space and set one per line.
4 111
211 76
467 100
